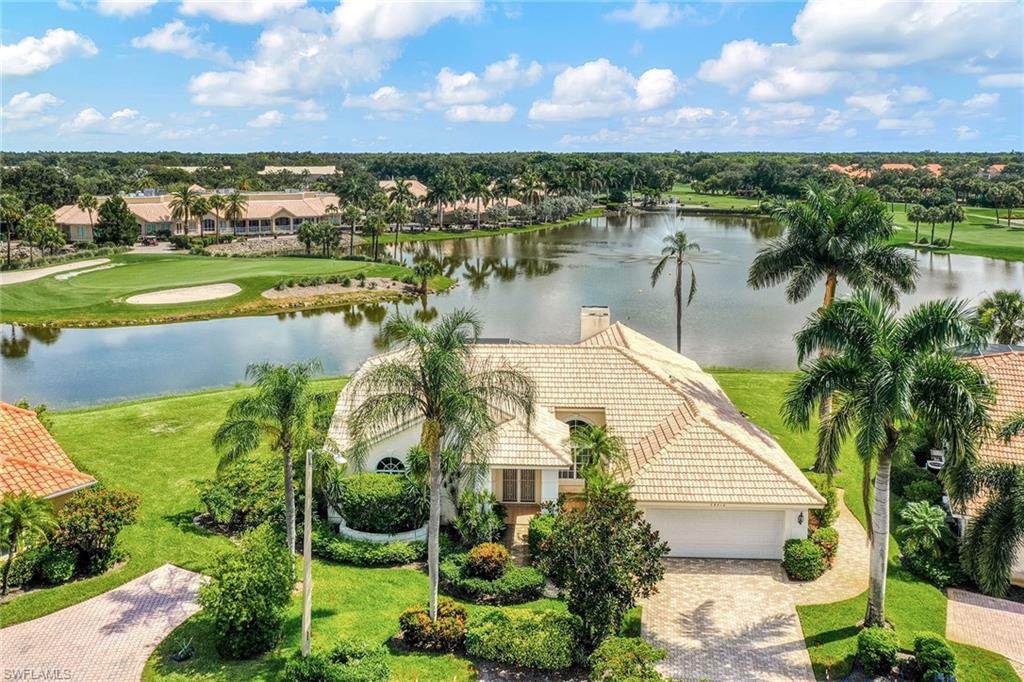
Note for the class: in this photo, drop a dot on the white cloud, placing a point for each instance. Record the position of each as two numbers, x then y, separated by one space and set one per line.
452 88
32 55
384 98
1002 80
124 8
792 83
916 124
831 122
480 113
965 133
681 117
25 111
91 120
309 110
877 104
509 73
600 89
735 65
268 119
650 15
458 88
912 94
982 100
175 37
307 50
245 12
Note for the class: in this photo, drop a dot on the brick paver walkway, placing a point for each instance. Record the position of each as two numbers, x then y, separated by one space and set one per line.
735 620
108 637
995 624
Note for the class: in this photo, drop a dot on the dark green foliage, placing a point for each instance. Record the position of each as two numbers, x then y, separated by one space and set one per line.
625 659
537 534
942 571
26 566
876 650
382 503
545 640
89 523
58 564
803 560
924 490
347 661
518 584
828 514
248 493
480 518
246 601
444 634
827 540
933 656
329 545
905 473
116 224
488 560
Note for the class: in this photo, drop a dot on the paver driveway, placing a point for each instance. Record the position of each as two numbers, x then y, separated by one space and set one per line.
995 624
735 620
108 637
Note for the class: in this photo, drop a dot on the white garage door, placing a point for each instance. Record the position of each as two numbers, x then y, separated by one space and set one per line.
720 534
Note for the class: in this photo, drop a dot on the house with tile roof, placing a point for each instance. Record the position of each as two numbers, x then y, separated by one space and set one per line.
712 483
1006 370
31 461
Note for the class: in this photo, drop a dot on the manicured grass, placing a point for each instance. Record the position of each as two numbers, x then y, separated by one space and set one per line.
685 195
979 235
97 298
438 235
912 605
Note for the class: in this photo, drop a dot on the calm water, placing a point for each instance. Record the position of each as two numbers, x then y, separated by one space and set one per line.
527 286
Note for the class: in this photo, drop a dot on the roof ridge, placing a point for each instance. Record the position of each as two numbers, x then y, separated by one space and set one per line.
17 410
47 467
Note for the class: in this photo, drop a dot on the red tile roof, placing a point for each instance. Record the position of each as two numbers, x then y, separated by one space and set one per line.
1007 371
31 460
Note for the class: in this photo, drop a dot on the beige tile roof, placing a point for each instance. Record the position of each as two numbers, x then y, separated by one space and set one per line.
687 442
259 206
299 170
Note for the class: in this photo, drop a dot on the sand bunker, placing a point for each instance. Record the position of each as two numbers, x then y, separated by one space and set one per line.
16 276
64 276
207 292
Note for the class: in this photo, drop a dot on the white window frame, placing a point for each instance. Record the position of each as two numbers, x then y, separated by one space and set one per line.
573 472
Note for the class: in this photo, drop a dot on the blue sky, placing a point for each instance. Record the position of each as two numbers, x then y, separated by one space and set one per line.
360 75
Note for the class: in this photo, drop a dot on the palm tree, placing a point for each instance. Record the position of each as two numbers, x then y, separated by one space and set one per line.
87 202
23 519
478 188
373 225
915 213
883 373
12 210
504 188
530 187
437 380
933 214
331 210
1001 317
235 206
217 203
401 192
398 213
280 410
424 270
351 216
443 190
596 449
954 213
676 247
183 202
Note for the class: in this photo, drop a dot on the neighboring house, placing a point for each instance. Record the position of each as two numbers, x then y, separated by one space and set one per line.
853 171
710 482
31 460
995 170
420 191
1006 369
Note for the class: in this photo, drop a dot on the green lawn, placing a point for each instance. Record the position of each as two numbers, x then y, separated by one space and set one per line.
439 235
979 235
911 605
685 195
97 298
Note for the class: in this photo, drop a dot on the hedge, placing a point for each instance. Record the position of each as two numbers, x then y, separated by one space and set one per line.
329 545
803 560
518 584
876 650
625 659
382 503
544 640
538 531
933 656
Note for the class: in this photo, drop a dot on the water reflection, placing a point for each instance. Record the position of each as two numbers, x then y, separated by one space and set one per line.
15 341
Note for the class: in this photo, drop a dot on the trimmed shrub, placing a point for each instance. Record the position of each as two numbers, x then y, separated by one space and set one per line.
517 585
827 540
25 566
828 514
924 490
625 659
537 533
90 522
58 564
933 656
444 634
247 494
545 640
488 561
803 560
941 571
381 503
251 589
347 661
317 667
329 545
480 518
876 650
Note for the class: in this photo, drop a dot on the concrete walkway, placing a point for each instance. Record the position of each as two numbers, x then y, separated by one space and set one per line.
108 637
987 622
18 276
735 620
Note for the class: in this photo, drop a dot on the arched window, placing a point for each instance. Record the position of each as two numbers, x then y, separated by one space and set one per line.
390 465
579 460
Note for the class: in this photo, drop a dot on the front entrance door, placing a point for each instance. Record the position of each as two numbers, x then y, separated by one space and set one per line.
518 485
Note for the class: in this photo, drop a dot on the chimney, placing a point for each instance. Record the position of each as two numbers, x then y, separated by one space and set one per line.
594 319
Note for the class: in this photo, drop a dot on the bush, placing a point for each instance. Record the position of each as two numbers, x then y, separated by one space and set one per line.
348 661
317 667
246 601
26 566
58 564
488 561
538 532
625 659
545 640
827 540
382 503
828 514
90 522
329 545
924 490
444 634
933 656
941 571
803 560
247 494
518 584
179 241
480 518
876 650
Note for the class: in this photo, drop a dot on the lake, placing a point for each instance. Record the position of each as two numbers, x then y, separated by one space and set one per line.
525 286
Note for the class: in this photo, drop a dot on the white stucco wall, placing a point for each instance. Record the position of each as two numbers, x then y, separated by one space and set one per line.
795 530
549 485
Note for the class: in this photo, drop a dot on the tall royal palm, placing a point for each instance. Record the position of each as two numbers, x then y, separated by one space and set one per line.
279 411
478 189
443 190
87 203
677 246
351 215
183 205
401 192
216 203
883 373
437 379
1001 316
23 520
398 214
235 205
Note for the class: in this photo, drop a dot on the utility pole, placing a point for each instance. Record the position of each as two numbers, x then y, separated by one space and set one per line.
307 559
